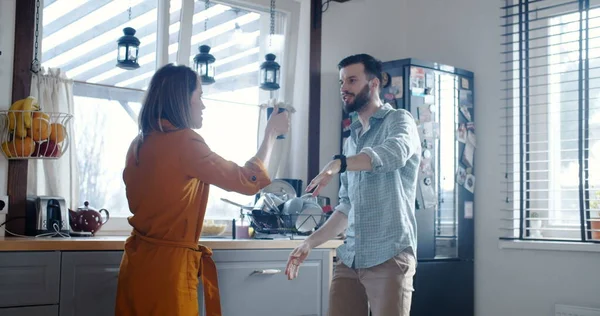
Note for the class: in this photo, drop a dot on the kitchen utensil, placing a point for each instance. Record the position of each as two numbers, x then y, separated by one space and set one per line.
86 219
310 215
280 188
245 207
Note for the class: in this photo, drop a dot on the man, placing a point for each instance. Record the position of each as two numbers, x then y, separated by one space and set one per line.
378 173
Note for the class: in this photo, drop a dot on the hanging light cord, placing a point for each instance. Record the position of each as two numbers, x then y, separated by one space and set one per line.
325 5
206 5
35 64
272 21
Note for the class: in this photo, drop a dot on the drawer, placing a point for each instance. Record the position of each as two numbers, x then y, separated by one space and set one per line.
29 278
254 283
30 311
89 282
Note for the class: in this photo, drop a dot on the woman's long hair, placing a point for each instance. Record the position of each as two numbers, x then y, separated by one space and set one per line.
167 98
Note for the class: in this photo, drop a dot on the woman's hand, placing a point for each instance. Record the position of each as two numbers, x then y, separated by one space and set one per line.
278 124
296 258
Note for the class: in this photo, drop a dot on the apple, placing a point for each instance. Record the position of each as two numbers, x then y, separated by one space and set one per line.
47 149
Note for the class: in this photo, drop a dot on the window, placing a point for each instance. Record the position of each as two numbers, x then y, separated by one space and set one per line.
552 131
79 37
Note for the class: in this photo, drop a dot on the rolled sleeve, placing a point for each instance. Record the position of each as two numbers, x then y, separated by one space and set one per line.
202 163
401 144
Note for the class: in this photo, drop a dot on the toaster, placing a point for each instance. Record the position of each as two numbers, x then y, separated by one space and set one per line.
46 215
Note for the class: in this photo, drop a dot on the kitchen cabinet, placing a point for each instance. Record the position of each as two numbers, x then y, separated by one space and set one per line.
89 282
253 282
51 310
29 278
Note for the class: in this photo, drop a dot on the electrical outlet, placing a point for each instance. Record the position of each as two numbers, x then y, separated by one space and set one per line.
4 204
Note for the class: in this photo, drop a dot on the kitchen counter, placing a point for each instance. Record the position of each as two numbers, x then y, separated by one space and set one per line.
117 242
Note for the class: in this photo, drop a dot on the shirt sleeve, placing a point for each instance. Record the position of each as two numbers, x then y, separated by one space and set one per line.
400 145
344 205
200 162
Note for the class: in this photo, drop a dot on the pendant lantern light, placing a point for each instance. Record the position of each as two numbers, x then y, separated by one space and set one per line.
128 48
204 61
270 69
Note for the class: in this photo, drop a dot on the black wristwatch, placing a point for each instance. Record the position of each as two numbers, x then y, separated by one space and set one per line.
343 165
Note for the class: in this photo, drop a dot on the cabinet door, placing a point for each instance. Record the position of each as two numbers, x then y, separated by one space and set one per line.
89 283
29 278
30 311
254 283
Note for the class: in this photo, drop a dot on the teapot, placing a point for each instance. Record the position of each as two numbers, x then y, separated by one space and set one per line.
87 219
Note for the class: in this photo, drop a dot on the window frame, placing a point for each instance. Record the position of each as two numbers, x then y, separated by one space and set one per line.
119 226
521 225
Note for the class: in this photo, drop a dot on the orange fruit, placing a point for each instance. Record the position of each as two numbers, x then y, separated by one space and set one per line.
22 147
40 129
39 114
58 132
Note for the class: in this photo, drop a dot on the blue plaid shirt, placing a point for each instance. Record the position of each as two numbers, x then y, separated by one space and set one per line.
380 204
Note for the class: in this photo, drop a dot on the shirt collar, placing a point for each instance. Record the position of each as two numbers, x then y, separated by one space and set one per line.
379 115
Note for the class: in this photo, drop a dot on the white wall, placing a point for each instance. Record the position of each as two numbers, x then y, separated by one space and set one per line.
7 39
465 34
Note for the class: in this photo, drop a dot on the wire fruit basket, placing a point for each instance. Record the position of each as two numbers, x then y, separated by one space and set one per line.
33 134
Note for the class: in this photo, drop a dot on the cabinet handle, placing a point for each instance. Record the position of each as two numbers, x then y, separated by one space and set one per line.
267 271
112 270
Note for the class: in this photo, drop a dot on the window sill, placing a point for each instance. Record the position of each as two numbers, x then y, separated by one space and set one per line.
548 245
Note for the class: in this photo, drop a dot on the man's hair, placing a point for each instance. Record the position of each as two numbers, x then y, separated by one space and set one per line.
372 65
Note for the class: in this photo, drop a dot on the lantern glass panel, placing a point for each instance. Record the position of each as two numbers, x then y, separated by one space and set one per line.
122 52
133 53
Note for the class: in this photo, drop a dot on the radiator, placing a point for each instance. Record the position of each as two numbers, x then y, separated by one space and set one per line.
567 310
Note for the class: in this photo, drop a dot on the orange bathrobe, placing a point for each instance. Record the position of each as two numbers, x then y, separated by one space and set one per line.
167 193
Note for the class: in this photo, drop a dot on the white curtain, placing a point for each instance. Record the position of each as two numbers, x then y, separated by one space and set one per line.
277 166
55 177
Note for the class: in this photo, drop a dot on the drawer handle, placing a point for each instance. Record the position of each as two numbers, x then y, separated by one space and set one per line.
267 271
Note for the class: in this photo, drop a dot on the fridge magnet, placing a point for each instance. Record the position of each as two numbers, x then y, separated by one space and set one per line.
427 144
429 99
427 129
468 209
465 97
468 153
424 114
428 193
417 81
461 175
471 138
385 79
429 81
461 133
464 83
470 183
396 87
465 112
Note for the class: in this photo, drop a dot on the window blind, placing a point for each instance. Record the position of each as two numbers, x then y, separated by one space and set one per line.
551 115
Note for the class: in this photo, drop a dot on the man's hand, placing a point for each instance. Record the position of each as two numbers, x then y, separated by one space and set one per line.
296 258
323 178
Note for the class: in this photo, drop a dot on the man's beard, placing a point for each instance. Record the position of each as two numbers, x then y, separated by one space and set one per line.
360 100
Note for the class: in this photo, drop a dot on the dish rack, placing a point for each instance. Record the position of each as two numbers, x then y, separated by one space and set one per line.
32 134
281 224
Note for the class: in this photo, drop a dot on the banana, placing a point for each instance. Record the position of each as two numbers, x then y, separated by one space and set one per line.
28 106
12 119
20 130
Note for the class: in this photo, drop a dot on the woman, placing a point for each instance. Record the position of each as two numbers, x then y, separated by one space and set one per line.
167 175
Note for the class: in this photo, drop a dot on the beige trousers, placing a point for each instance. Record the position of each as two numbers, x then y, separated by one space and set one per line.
386 288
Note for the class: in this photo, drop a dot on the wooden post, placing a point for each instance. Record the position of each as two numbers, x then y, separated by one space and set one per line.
21 87
314 92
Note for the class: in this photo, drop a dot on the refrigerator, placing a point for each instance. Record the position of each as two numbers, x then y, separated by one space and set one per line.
441 99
